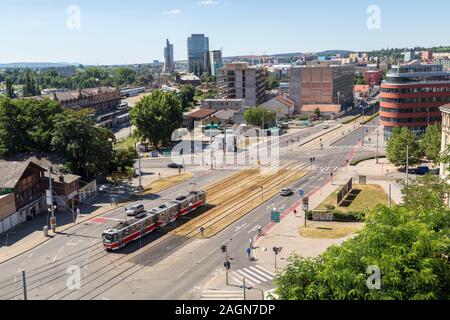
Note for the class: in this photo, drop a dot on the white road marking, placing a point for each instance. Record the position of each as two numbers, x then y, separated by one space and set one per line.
183 273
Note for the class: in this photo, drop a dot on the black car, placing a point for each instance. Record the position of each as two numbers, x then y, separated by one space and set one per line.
175 166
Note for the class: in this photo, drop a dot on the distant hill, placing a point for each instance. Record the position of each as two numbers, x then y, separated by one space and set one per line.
35 65
334 52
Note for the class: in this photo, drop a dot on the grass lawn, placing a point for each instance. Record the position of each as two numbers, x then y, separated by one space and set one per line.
330 230
166 183
370 195
126 143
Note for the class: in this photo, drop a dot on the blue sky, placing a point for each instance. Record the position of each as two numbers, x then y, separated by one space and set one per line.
134 31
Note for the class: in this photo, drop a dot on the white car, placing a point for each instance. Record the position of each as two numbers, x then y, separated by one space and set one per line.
325 125
135 210
286 192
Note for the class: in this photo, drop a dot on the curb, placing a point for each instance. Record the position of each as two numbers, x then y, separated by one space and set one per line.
121 205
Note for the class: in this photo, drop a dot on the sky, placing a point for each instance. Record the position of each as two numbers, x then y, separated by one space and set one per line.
134 31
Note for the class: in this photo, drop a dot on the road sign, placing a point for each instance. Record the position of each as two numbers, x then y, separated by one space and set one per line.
155 154
49 198
276 217
302 192
305 204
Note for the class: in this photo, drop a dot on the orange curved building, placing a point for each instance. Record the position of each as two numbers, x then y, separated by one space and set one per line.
411 96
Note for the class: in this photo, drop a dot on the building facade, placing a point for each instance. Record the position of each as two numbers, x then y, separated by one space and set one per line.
445 137
169 64
322 84
373 77
198 54
411 96
241 81
215 59
22 191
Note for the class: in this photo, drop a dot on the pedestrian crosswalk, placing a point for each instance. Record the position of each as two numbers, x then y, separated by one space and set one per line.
326 169
342 147
222 295
253 275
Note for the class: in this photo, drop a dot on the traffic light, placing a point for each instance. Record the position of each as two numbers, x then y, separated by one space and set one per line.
224 248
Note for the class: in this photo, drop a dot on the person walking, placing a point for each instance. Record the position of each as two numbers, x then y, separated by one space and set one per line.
202 231
259 230
250 243
249 253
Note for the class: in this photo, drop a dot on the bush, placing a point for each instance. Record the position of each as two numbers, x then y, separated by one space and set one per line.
309 215
352 119
330 207
348 217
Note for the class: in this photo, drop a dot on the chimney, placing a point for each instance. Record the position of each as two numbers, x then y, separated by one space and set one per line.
61 178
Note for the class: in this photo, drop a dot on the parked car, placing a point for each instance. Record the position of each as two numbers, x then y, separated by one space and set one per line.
286 192
104 188
175 166
422 171
135 210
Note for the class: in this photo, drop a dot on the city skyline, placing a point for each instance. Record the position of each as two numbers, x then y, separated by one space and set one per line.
95 33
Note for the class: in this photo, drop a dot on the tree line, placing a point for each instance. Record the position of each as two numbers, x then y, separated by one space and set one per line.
43 126
419 148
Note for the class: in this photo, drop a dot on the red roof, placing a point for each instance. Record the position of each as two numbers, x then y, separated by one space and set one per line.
202 113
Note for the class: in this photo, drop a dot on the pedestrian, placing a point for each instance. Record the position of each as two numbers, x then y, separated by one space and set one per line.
202 231
259 230
249 253
251 243
78 212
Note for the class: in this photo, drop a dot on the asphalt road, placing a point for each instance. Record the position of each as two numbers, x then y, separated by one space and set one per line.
160 266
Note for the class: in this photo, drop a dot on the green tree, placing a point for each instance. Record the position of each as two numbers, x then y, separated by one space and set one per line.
31 87
9 88
123 159
317 112
156 116
430 143
411 253
397 147
257 116
87 149
13 133
186 96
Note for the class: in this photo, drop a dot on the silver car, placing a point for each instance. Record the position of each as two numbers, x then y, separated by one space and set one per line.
135 210
286 192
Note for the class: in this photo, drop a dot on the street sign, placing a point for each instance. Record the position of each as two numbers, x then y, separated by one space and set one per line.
48 196
305 204
155 154
276 217
302 192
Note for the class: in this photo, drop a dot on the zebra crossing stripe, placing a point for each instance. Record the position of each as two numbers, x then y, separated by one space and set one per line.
256 275
222 295
248 277
266 271
262 274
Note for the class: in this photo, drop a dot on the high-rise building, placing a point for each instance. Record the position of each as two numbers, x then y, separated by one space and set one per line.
411 96
169 64
409 55
322 84
198 54
241 81
215 59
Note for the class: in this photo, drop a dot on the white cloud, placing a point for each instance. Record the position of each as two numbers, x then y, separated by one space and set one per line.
208 2
172 12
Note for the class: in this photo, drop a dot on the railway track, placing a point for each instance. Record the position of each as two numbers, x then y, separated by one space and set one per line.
119 269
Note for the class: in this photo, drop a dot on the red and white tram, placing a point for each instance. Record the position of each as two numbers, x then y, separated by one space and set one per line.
136 228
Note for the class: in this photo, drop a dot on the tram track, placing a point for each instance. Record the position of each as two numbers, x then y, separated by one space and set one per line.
115 264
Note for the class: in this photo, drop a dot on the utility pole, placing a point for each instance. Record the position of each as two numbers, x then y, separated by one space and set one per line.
24 283
376 157
52 209
407 164
363 128
138 149
389 196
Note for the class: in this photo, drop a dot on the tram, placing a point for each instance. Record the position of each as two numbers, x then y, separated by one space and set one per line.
122 234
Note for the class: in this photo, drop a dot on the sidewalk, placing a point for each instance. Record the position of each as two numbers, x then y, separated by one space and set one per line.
286 234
